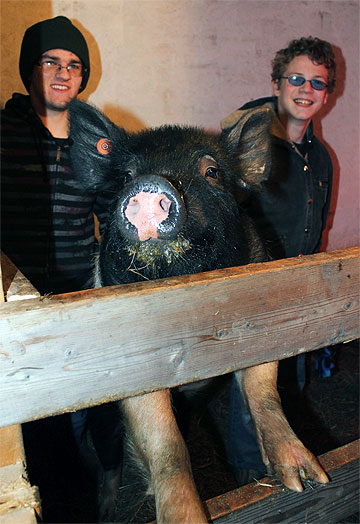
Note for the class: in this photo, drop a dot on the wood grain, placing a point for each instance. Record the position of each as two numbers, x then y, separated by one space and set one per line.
75 350
267 502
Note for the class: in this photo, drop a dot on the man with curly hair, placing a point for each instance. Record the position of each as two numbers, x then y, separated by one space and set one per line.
291 215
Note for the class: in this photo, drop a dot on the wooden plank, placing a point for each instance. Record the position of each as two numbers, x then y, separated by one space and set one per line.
2 297
19 516
11 445
259 503
14 285
79 349
18 500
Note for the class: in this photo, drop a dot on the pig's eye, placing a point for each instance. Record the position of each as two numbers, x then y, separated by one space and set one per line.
128 176
208 168
212 172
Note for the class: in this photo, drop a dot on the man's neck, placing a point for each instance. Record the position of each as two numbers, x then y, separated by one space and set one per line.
295 129
296 133
57 122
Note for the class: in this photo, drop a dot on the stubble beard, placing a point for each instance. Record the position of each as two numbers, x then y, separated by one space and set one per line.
60 107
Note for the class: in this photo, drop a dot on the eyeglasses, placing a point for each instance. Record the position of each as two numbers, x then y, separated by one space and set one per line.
297 80
50 66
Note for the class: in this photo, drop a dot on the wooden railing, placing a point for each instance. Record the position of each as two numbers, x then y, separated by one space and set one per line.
65 352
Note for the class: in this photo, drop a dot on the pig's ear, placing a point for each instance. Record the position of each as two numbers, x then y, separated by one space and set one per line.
96 145
247 138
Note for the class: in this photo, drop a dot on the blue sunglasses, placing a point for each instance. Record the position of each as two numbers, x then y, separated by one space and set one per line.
297 80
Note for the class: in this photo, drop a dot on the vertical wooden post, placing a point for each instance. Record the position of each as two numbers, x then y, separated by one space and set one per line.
19 502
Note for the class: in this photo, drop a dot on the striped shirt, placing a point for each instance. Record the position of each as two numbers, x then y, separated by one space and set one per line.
47 219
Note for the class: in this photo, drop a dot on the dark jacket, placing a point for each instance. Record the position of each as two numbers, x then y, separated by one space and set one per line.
291 211
47 222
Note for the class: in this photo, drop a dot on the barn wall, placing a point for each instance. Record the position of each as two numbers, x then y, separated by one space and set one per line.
193 62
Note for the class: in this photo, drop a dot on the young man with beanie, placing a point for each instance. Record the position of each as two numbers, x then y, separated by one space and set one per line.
291 214
47 222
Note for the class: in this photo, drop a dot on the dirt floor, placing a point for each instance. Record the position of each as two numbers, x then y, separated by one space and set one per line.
328 417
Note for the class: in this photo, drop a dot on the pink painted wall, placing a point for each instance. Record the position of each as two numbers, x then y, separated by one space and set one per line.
193 62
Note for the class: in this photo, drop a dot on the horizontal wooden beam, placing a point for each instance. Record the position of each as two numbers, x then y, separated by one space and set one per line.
70 351
265 501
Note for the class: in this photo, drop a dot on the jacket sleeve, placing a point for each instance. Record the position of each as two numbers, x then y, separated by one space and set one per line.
326 207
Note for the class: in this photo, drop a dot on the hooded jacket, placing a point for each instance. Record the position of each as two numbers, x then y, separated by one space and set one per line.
47 222
291 210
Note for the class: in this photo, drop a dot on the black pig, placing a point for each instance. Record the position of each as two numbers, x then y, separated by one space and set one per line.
175 212
196 224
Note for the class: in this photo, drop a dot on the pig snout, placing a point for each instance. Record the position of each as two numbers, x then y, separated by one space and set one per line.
150 208
146 211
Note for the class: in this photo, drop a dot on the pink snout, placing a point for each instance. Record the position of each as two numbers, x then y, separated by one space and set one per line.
146 211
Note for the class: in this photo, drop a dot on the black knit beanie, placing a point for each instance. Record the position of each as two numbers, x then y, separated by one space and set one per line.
54 33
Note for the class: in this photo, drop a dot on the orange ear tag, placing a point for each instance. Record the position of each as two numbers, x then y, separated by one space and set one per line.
104 146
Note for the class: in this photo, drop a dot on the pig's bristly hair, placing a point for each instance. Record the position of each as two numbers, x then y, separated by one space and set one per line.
93 163
247 146
248 143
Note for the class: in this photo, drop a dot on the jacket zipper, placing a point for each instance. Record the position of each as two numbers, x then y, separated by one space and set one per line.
53 199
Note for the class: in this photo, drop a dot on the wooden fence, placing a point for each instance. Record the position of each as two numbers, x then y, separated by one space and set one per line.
70 351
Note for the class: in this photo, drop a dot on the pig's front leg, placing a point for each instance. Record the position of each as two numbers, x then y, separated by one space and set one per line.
159 443
280 448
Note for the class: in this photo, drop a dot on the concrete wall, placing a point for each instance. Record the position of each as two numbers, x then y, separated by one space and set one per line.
193 62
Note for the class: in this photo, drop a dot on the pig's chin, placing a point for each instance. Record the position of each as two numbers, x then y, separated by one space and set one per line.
150 252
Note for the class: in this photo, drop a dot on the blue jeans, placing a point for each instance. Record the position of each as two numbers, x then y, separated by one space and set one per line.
106 430
241 446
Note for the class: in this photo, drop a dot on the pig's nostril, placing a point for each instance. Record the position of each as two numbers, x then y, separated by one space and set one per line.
165 204
133 206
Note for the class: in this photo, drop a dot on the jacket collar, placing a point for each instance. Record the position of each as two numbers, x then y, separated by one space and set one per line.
21 105
276 129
